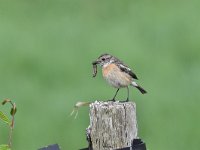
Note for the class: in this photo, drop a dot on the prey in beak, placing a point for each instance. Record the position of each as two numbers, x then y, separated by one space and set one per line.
94 64
103 59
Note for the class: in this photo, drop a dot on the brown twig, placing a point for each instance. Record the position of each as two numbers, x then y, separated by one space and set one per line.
77 106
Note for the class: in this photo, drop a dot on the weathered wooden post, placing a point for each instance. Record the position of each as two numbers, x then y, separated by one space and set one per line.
113 125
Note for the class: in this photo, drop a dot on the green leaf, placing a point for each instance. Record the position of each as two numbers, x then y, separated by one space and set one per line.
4 147
4 118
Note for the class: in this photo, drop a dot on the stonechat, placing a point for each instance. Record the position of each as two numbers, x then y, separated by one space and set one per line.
116 73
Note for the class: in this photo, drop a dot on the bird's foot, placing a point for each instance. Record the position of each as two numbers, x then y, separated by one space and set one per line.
112 100
127 100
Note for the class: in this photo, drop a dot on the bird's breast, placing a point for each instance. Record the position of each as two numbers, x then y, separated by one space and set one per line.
115 76
108 69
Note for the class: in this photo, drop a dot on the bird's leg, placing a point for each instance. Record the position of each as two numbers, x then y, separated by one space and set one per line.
115 95
128 94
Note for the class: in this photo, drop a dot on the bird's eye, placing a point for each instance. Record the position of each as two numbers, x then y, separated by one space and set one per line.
103 59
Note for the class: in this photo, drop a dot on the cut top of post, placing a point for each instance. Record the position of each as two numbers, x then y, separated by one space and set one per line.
112 125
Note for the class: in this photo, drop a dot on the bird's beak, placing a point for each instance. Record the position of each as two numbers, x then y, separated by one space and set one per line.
95 62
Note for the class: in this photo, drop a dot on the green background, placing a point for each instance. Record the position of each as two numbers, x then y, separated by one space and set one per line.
46 50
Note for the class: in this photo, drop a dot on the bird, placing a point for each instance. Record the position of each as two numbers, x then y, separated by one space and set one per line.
116 73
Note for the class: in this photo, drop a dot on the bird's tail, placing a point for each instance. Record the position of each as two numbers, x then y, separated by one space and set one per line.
138 87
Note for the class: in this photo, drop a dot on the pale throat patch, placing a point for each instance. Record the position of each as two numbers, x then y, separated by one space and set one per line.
107 63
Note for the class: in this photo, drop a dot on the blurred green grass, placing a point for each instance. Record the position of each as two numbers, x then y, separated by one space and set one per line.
46 52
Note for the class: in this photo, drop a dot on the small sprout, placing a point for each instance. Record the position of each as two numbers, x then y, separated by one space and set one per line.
77 106
5 119
13 111
5 101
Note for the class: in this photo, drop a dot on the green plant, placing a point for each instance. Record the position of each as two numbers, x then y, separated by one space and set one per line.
9 122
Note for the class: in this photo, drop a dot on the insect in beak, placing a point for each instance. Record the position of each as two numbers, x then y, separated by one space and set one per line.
94 70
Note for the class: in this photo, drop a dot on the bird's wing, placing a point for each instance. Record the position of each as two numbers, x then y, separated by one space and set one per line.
126 69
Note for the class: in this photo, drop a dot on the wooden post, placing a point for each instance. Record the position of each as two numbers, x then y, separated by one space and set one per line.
113 125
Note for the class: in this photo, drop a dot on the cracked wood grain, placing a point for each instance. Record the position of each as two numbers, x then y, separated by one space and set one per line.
113 125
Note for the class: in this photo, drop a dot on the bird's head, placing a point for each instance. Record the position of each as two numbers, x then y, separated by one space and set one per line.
104 60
